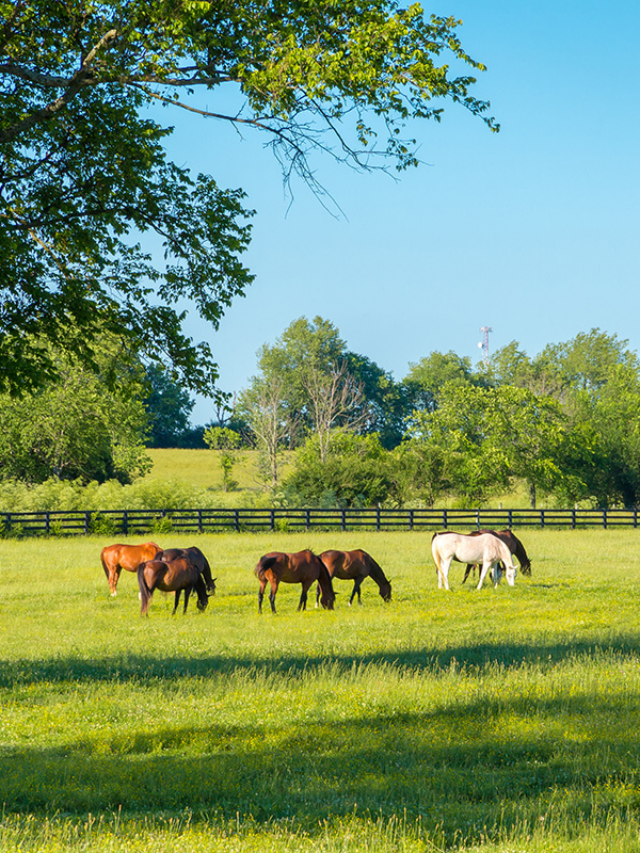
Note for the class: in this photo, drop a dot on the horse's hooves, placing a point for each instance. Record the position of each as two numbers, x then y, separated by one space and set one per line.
113 594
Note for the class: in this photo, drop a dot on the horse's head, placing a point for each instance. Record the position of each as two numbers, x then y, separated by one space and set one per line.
385 591
328 599
511 574
211 587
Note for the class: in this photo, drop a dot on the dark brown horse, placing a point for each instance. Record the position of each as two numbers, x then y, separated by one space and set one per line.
304 567
197 558
514 545
115 558
356 566
177 576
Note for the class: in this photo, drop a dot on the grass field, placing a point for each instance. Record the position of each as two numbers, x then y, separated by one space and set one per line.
500 720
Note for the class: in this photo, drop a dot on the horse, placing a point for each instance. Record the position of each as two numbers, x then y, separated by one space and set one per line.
304 567
355 566
484 548
178 575
117 557
513 543
197 558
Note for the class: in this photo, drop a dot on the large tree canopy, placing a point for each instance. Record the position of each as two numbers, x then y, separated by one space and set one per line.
83 171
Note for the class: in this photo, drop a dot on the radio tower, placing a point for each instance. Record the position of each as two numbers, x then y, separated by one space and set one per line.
484 343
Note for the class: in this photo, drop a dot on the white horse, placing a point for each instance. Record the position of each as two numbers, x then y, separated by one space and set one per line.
486 549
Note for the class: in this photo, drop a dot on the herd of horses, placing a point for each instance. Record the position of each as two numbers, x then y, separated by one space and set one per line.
186 570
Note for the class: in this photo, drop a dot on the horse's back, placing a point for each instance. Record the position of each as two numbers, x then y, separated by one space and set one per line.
466 548
129 556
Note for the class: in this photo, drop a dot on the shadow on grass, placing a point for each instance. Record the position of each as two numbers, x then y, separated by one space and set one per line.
142 669
451 768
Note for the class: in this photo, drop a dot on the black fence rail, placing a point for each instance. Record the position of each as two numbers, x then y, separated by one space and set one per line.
135 522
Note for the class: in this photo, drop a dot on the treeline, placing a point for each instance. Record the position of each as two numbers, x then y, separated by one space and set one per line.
566 422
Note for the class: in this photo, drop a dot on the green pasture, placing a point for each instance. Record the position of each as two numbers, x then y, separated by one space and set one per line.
496 720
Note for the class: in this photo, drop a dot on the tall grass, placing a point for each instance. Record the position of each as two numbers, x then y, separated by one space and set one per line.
499 720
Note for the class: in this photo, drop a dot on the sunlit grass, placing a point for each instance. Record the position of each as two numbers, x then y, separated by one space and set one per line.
499 720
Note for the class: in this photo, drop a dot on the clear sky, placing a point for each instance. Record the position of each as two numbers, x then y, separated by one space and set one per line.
532 231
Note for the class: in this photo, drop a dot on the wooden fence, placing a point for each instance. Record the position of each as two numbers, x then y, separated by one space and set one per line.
136 522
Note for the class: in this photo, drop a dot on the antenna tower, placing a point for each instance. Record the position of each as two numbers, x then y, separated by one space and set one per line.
484 343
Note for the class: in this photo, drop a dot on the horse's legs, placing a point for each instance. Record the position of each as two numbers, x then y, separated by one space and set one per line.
443 573
469 569
356 591
487 564
114 576
263 584
303 595
272 594
187 593
176 601
317 595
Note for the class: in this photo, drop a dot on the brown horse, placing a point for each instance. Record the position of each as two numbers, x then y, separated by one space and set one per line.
513 544
303 567
117 557
356 566
197 558
174 576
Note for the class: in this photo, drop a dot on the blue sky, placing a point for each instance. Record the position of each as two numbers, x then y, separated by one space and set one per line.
532 231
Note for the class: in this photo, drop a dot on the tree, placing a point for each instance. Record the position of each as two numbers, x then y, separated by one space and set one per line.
353 472
169 406
269 423
76 428
427 378
83 172
226 441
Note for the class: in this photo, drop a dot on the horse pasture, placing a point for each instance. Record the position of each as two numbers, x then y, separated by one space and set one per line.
492 721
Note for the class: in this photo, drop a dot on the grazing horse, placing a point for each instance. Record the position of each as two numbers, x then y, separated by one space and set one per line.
304 567
175 576
117 557
513 543
485 548
197 558
355 566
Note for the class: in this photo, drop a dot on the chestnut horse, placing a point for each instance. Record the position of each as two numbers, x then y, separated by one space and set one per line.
513 544
175 576
304 567
117 557
356 566
197 558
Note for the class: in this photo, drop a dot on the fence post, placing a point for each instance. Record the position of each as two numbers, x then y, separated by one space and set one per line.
272 519
510 519
307 518
635 516
573 518
378 518
125 522
87 519
236 520
604 519
47 525
410 519
541 518
444 518
344 519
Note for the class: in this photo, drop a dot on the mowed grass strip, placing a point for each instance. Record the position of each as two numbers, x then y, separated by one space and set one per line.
489 720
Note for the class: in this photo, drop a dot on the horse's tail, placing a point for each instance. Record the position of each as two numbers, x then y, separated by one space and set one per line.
265 563
104 564
145 592
435 553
